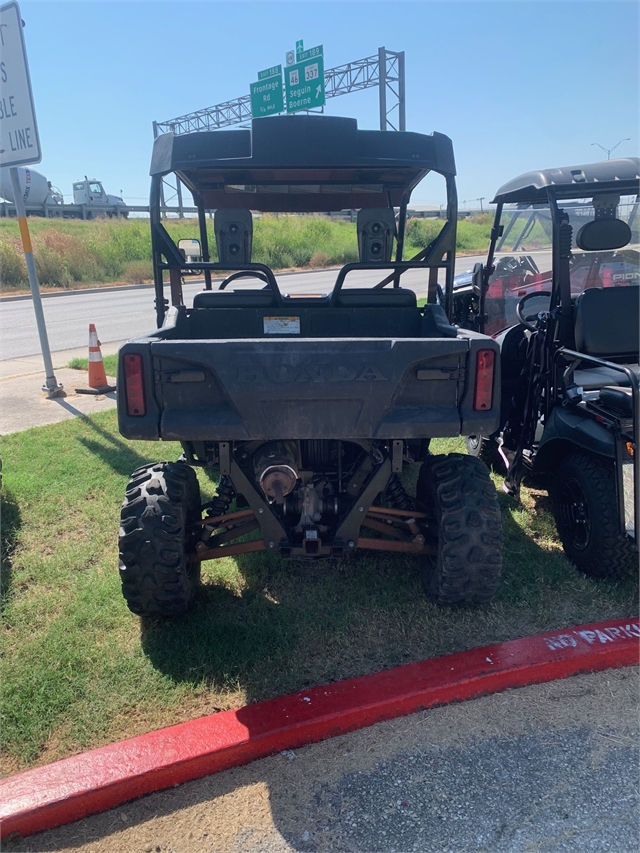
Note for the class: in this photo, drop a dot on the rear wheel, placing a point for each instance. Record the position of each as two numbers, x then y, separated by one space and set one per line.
462 505
160 504
585 506
487 451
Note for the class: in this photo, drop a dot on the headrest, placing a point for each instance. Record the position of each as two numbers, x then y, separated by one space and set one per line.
603 235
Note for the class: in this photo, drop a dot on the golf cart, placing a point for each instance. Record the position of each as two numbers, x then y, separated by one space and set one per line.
308 404
569 351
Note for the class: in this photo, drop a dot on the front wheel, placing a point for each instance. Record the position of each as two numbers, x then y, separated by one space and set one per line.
586 510
462 507
161 503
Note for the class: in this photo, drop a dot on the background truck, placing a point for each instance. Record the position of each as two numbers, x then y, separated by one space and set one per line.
43 199
308 405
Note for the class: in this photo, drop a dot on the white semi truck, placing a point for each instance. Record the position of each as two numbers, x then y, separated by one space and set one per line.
43 199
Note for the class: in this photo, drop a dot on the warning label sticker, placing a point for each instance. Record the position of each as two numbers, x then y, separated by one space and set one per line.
281 325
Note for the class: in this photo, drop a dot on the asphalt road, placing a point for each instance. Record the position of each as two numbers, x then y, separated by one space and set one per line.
124 313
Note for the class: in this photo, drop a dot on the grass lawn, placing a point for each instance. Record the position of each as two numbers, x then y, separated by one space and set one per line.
80 670
110 364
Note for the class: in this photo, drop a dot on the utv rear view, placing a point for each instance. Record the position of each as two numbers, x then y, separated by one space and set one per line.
308 404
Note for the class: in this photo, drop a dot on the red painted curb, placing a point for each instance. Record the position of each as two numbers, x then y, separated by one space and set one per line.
94 781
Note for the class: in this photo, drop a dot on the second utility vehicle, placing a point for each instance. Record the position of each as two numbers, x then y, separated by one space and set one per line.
569 351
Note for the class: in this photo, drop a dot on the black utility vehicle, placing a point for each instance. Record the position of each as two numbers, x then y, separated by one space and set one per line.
309 405
569 351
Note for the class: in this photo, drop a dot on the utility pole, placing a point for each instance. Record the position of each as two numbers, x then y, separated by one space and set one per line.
481 199
609 150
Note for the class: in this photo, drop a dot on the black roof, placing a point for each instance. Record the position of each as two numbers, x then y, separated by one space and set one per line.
301 163
572 181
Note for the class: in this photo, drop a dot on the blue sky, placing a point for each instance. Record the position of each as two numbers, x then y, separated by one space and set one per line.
516 85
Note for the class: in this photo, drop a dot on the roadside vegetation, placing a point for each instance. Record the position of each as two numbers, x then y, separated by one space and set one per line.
110 364
73 253
80 670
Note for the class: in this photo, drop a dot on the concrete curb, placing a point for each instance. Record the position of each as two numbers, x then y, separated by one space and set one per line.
98 780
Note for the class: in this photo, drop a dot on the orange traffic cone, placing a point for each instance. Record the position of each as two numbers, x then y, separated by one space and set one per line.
97 377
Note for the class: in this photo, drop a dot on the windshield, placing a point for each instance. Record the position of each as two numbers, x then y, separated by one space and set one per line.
523 259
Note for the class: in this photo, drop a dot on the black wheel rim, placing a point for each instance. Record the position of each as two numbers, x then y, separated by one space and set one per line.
575 514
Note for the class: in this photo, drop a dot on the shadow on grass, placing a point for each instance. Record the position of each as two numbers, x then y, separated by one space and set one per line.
284 625
226 638
11 524
287 625
118 454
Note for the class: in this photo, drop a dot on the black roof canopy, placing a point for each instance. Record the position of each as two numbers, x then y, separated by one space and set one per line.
572 181
301 163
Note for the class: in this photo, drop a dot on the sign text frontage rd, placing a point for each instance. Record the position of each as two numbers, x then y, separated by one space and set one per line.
266 93
304 84
19 141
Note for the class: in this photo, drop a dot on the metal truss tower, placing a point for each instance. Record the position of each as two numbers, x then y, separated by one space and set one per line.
384 70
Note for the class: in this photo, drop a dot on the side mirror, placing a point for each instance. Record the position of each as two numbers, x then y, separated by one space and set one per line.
477 279
190 250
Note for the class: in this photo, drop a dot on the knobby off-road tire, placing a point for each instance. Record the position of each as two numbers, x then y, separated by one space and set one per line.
160 502
461 502
585 507
487 451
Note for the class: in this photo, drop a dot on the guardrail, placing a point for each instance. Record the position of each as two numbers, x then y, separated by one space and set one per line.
87 211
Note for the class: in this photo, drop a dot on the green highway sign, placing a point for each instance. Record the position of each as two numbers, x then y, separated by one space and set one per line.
309 54
266 95
299 48
304 84
274 71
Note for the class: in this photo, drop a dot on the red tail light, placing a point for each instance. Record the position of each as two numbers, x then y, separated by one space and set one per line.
134 383
483 391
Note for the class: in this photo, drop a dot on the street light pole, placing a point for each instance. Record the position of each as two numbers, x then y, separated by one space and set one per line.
609 150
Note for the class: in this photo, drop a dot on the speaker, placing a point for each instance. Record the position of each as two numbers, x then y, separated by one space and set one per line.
234 233
376 229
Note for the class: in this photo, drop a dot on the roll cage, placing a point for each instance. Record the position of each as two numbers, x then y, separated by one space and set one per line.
613 178
581 337
296 164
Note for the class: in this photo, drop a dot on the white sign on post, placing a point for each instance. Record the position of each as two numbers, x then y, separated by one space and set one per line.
20 145
19 141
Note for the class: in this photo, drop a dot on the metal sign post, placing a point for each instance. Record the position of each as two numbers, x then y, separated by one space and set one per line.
383 70
20 145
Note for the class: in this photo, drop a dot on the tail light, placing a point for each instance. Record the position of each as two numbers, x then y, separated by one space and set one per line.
134 385
483 391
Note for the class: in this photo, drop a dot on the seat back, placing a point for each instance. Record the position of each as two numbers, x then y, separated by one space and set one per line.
606 322
371 297
233 299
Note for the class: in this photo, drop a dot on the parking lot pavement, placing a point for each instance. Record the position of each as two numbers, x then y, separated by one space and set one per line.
23 403
550 767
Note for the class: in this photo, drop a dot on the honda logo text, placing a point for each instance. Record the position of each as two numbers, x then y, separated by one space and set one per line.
255 374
